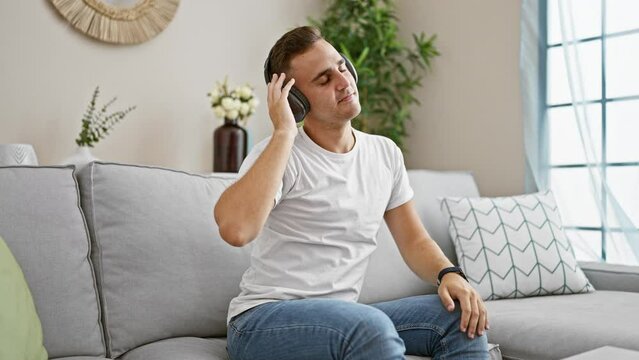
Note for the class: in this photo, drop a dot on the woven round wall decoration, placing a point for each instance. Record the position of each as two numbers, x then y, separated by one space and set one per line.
118 21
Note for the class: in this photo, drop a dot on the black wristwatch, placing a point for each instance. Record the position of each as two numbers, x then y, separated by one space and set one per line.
453 269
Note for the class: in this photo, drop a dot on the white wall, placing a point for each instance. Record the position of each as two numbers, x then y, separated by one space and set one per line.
469 119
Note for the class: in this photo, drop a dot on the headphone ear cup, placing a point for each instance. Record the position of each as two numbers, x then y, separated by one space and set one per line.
299 104
350 67
297 101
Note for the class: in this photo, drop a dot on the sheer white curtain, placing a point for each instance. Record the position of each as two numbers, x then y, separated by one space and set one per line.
571 132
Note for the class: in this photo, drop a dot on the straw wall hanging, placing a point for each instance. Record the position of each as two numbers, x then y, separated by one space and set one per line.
118 21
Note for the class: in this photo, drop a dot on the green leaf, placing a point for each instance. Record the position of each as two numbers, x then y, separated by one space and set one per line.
362 57
95 126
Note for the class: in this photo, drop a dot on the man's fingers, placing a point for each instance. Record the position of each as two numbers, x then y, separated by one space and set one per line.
483 318
280 81
287 88
466 309
446 299
276 86
269 92
474 318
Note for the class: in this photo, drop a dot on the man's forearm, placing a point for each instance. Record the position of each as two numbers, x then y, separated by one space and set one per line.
243 208
426 259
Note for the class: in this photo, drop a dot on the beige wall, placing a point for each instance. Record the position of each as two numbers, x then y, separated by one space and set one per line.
48 71
469 119
470 113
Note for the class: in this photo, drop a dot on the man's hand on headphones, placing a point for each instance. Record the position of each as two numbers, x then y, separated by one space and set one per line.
278 107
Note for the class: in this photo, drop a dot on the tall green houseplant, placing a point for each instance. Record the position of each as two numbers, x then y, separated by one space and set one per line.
389 71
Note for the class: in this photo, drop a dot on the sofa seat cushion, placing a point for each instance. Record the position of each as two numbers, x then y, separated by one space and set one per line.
552 327
190 348
493 351
185 348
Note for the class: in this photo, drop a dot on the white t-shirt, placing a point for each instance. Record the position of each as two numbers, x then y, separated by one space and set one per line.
318 237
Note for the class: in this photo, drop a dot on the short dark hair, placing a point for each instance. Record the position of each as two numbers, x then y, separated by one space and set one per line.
293 43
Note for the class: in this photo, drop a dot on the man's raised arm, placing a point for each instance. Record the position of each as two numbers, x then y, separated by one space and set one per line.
244 207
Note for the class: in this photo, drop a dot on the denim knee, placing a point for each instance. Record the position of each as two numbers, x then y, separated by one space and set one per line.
374 333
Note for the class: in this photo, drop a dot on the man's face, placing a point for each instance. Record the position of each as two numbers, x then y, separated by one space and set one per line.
321 75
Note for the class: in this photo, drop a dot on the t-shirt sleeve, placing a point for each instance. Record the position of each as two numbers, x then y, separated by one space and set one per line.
252 157
402 192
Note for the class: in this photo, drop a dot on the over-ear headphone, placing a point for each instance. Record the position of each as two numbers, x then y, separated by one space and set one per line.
298 102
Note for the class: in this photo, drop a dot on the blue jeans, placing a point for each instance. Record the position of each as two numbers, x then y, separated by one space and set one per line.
326 329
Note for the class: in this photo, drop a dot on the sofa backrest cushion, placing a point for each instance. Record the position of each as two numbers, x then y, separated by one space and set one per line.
163 270
41 222
388 277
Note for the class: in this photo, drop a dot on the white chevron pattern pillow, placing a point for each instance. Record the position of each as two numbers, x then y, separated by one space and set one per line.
513 247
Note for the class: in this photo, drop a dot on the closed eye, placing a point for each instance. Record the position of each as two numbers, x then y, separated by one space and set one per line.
327 77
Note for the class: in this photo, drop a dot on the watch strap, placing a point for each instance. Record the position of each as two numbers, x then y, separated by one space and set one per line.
452 269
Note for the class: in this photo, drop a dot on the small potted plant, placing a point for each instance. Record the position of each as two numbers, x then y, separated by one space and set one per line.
230 140
96 125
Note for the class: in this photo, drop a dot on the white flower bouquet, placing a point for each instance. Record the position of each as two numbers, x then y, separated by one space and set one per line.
239 103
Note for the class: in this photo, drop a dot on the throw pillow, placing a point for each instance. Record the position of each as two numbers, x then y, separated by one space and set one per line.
513 247
20 328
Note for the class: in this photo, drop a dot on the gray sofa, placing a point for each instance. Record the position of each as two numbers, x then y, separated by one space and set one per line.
125 262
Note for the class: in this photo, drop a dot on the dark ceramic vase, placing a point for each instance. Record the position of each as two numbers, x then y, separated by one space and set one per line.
229 146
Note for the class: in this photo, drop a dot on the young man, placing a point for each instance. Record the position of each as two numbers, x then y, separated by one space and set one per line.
313 199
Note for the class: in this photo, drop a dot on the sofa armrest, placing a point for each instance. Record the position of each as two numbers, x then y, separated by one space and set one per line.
614 277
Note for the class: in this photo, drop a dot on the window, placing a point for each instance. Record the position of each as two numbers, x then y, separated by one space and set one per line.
608 45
